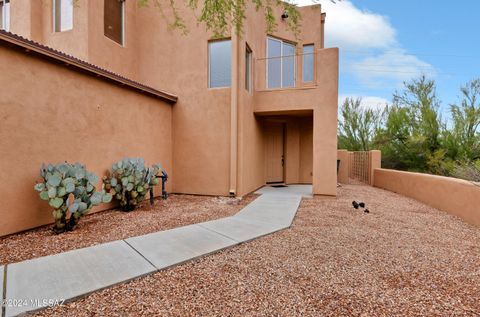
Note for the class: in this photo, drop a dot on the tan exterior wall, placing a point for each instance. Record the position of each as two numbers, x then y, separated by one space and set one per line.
316 152
455 196
201 117
52 114
217 135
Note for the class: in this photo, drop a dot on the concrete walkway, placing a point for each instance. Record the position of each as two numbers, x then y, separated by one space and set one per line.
38 283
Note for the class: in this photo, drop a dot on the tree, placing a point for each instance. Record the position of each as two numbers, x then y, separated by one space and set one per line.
219 16
410 132
358 125
464 139
411 138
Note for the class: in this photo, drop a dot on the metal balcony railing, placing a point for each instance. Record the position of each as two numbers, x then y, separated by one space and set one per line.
285 72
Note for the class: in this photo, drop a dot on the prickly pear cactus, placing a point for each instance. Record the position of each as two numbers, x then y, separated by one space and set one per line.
70 191
129 181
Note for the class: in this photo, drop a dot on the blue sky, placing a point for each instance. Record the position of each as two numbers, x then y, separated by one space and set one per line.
385 42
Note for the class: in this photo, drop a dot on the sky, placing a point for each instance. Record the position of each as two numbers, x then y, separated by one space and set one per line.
386 42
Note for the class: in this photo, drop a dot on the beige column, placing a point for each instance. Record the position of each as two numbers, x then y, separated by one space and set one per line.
375 162
343 156
234 115
324 179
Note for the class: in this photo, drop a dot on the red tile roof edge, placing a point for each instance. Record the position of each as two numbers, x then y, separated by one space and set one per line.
51 53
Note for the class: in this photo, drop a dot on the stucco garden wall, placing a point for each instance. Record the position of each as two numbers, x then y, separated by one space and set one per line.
455 196
51 113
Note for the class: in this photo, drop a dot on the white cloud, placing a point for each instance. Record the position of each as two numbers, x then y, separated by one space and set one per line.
368 102
389 68
348 27
369 47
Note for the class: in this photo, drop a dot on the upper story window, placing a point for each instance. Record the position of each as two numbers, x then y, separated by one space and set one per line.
219 63
5 15
114 20
280 63
248 69
62 15
308 65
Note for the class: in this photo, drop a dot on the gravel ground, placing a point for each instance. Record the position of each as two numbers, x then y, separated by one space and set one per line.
401 259
176 211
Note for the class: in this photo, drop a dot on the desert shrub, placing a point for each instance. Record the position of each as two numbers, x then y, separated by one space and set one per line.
468 171
129 181
70 191
439 164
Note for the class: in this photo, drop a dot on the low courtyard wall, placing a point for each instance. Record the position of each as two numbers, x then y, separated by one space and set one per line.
455 196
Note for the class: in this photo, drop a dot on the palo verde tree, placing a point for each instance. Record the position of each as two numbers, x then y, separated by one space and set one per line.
463 140
411 138
221 16
358 125
411 134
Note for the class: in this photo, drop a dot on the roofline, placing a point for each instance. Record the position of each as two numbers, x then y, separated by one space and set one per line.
80 65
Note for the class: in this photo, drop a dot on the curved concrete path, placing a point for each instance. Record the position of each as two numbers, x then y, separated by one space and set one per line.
38 283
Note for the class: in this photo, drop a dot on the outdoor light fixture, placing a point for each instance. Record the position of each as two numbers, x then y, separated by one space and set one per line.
284 15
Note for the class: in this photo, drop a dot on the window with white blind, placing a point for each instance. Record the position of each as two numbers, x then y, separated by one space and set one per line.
219 64
62 15
114 20
5 15
280 63
308 66
248 68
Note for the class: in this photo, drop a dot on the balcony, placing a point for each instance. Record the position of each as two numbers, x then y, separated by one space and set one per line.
296 82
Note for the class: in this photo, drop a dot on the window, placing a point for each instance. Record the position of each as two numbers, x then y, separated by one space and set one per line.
280 64
308 67
248 68
62 15
114 19
5 15
219 64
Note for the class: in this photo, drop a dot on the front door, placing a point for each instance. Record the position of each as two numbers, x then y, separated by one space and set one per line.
274 158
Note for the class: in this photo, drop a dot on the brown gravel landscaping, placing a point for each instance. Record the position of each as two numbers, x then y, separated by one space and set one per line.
177 211
401 259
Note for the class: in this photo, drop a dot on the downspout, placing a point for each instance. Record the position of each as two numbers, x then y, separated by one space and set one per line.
234 115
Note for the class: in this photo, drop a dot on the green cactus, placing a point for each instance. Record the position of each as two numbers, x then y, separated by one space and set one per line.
129 181
70 190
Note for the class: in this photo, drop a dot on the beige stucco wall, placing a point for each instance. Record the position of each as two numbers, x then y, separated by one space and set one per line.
51 113
455 196
217 136
201 117
301 153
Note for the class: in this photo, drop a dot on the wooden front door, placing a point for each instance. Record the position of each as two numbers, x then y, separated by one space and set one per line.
274 158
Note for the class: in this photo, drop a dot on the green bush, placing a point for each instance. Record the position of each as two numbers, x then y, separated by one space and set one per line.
129 181
70 191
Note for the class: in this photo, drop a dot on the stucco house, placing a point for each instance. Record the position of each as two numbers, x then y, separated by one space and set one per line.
96 81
